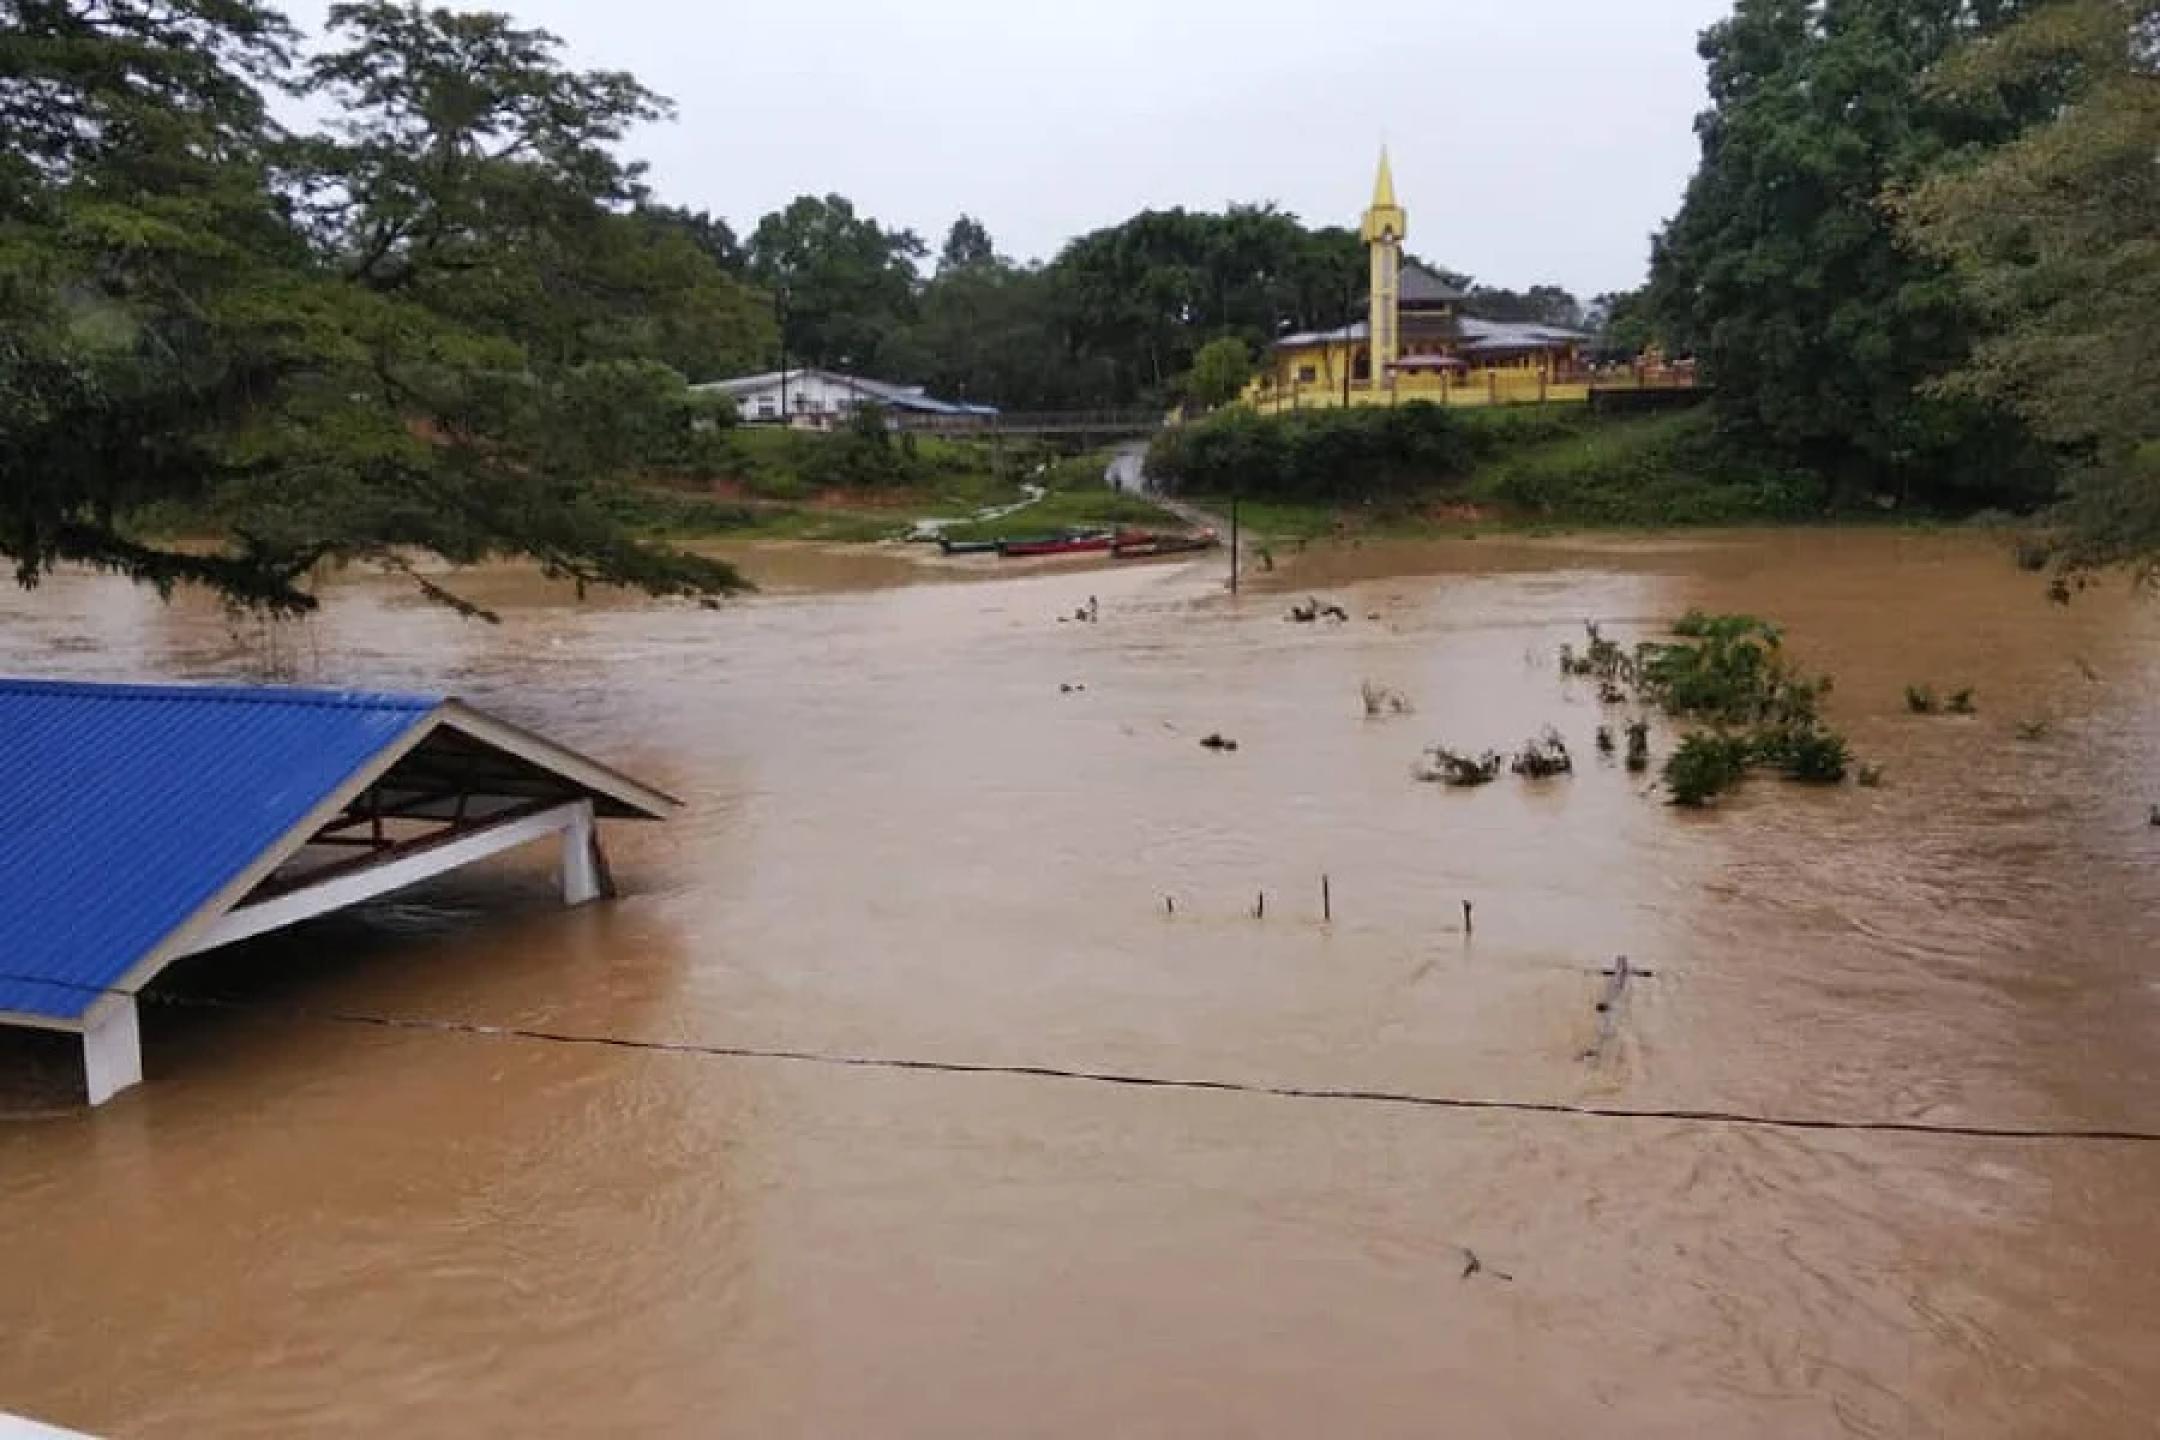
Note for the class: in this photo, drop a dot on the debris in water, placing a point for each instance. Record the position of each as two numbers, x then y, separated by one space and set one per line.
1383 700
1068 688
1870 777
1442 766
1605 743
1544 757
1638 746
1218 742
1313 609
1474 1266
2031 730
1962 703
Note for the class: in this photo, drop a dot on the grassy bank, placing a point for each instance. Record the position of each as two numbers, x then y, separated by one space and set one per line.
1418 470
765 491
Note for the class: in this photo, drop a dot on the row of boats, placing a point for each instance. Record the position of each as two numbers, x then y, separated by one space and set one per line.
1119 544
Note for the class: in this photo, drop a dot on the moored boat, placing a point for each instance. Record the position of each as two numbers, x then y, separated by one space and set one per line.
1075 542
967 547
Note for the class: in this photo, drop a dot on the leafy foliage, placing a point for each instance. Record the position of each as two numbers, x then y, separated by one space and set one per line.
1338 456
385 337
2056 236
1705 766
846 283
1219 372
1785 273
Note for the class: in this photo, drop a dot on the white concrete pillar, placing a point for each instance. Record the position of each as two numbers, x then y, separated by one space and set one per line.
581 857
112 1050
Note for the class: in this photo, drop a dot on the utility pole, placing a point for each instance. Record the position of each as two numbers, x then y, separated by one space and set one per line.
779 305
1234 546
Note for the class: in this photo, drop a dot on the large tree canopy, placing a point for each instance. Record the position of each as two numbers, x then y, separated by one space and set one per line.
847 284
2056 236
352 345
1784 271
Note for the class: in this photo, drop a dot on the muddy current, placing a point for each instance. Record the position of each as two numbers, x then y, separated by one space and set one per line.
928 822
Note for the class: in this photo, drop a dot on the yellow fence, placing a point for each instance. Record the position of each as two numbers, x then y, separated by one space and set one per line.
1491 387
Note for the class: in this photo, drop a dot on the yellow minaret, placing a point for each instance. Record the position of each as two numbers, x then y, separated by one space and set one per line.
1386 226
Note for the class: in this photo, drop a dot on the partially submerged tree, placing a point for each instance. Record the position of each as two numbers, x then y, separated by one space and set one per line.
345 347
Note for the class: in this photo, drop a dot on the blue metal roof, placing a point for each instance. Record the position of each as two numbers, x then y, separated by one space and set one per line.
125 808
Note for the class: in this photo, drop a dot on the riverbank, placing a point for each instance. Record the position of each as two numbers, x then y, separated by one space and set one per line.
1409 474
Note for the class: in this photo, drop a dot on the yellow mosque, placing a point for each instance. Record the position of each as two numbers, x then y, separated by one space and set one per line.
1415 344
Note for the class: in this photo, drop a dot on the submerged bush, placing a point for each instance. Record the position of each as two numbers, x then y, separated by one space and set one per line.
1544 757
1704 767
1920 700
1442 766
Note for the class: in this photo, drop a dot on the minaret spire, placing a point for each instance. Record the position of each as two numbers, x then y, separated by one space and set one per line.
1386 226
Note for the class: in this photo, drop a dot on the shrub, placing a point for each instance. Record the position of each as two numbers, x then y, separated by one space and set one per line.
1543 757
1332 456
1920 700
1704 767
1442 766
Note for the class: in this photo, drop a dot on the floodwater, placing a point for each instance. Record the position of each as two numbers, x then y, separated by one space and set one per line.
904 840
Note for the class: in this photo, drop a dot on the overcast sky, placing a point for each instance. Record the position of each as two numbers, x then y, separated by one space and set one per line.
1533 140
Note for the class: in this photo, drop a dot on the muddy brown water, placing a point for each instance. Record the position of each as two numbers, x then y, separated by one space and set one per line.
904 841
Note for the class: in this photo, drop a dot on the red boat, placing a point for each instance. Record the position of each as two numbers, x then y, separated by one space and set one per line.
1075 543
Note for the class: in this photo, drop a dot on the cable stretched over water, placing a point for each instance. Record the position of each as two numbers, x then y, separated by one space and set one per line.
1134 1080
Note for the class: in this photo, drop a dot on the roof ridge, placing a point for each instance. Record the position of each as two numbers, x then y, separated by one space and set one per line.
166 692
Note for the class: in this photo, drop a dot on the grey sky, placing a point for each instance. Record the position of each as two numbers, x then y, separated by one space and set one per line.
1533 139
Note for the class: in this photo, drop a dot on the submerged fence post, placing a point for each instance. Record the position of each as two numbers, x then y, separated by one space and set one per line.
1327 901
1260 907
1467 926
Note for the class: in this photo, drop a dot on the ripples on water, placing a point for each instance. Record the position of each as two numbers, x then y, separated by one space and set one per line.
904 840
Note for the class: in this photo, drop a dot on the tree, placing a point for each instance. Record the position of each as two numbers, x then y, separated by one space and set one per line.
711 234
1540 304
1785 274
340 347
846 282
1219 372
995 333
1144 296
967 243
2056 236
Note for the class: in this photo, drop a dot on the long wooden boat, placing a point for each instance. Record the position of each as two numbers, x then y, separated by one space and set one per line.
1075 544
967 547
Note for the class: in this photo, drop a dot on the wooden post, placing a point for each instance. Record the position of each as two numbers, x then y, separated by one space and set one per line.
1260 907
1169 904
1467 925
1327 901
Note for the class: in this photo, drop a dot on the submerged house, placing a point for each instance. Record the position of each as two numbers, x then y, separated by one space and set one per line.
149 823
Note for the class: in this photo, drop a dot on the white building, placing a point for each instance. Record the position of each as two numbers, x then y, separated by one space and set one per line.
819 399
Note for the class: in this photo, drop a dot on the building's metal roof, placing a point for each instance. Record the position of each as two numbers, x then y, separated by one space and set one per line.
125 808
895 396
1420 286
127 811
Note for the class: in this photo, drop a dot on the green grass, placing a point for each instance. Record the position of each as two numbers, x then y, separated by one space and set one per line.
1654 470
1094 505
